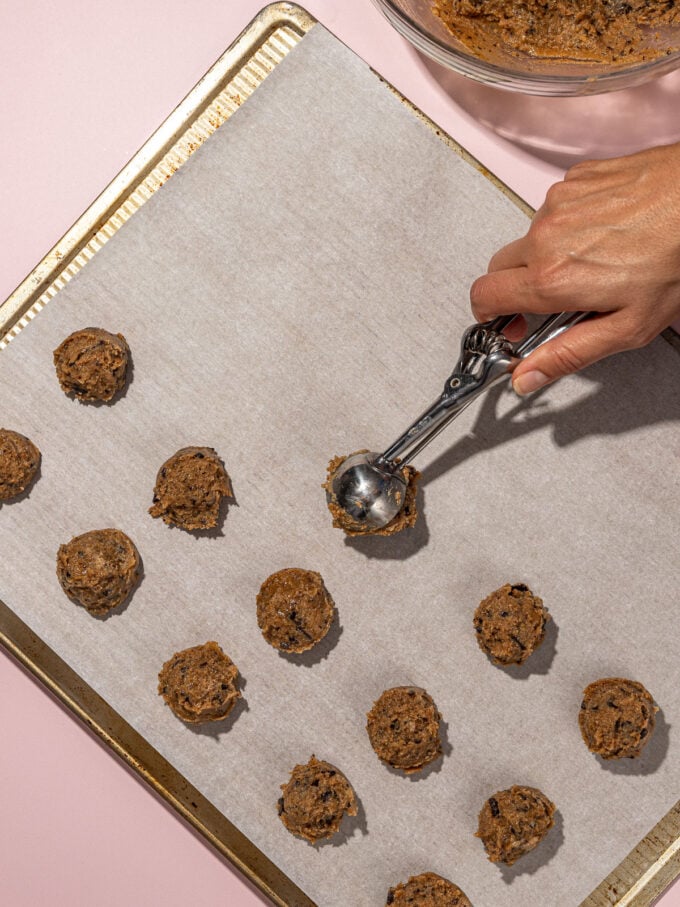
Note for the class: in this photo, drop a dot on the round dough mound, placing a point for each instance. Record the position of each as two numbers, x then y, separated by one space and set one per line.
403 727
616 717
427 890
98 569
189 489
405 519
92 364
513 822
294 609
315 800
199 684
510 624
19 461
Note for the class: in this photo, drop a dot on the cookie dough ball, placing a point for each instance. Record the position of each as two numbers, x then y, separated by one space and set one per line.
427 890
189 489
92 364
315 800
405 519
19 462
403 727
199 684
616 717
98 569
510 624
513 822
294 609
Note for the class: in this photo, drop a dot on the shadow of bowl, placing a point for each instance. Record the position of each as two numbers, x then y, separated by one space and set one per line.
562 131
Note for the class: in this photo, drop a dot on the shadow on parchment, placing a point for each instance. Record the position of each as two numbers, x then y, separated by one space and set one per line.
617 403
350 825
652 755
540 661
320 651
398 547
540 856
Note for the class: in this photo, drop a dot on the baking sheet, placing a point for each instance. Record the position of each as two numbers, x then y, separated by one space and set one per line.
284 306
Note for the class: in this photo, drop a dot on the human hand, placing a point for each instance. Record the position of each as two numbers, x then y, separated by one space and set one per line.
606 240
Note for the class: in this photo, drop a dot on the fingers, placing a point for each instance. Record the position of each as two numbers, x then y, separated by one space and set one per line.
578 347
514 255
516 330
583 169
517 290
499 293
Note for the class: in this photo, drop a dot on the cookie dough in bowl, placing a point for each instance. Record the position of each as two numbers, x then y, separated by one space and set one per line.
616 717
92 364
315 800
19 462
426 890
601 31
189 489
510 624
403 727
562 48
98 569
294 609
512 822
199 684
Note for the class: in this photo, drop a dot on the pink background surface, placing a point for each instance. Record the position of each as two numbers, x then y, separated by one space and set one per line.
84 85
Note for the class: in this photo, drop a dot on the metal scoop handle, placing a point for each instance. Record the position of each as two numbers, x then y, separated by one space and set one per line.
486 357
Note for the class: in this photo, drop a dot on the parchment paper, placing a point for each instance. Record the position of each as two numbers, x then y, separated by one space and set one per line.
296 291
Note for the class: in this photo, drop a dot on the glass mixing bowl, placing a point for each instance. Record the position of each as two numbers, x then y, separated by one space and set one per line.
516 71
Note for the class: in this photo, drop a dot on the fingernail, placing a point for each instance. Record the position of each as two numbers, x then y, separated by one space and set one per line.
529 382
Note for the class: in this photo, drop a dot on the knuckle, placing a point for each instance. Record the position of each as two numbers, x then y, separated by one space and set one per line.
542 232
556 194
581 168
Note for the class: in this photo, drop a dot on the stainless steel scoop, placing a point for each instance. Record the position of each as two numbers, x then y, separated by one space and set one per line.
370 487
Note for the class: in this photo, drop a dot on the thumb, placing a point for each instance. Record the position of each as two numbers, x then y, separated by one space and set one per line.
579 346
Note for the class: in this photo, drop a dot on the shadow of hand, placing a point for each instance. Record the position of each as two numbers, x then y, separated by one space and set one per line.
625 395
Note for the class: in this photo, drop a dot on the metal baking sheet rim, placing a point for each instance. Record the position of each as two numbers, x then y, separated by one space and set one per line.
649 868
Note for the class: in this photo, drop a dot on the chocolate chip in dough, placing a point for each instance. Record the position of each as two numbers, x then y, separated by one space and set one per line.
315 800
19 462
294 609
616 717
512 822
92 364
199 684
510 624
99 569
403 727
189 489
427 890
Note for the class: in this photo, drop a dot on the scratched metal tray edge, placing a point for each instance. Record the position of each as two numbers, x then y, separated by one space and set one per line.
31 652
649 868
